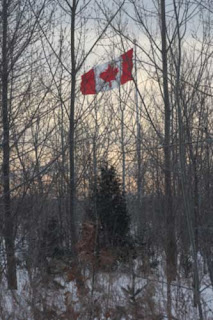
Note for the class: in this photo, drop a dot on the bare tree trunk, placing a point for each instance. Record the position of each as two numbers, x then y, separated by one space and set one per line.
170 223
186 201
71 132
9 228
138 140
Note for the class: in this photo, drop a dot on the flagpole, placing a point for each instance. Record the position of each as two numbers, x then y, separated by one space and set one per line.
122 144
138 138
95 154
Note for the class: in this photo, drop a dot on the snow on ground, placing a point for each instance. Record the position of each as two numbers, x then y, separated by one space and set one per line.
117 295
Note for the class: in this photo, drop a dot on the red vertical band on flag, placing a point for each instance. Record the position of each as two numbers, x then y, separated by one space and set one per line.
88 82
127 66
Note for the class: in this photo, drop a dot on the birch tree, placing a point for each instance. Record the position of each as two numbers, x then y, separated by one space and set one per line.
19 30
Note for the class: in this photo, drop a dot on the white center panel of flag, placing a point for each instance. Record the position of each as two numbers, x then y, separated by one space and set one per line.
108 75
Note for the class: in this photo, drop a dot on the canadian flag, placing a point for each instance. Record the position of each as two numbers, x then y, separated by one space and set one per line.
109 75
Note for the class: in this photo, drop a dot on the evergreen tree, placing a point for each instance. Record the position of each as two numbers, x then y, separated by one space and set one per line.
52 239
111 209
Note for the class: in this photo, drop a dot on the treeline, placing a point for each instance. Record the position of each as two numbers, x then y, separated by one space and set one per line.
155 132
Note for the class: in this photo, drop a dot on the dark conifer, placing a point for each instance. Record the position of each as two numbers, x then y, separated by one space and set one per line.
111 209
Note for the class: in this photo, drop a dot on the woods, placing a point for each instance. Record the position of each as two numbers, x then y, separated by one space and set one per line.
115 182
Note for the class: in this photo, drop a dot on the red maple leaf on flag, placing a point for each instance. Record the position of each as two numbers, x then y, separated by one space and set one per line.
109 74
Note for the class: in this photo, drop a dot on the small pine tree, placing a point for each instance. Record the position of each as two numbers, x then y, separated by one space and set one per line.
52 238
111 209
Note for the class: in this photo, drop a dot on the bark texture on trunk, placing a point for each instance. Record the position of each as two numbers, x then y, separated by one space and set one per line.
8 222
170 219
71 133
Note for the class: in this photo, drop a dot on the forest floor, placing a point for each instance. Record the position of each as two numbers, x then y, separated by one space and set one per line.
133 290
